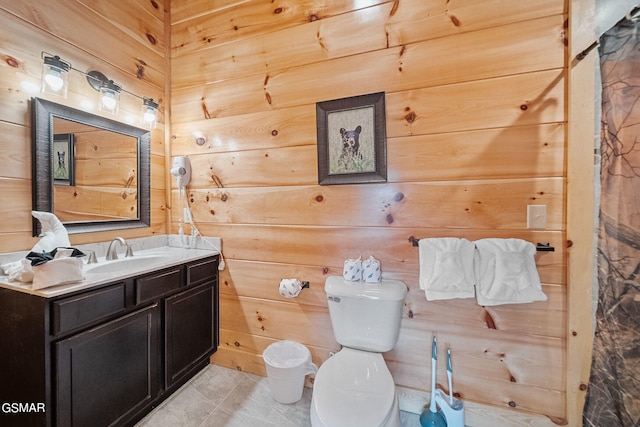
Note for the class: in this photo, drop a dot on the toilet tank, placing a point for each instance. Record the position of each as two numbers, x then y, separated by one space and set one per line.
365 316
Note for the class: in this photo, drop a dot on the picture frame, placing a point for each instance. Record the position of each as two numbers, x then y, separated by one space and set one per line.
63 159
352 140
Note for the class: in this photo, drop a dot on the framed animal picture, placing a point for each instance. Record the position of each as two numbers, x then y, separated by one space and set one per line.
352 141
63 159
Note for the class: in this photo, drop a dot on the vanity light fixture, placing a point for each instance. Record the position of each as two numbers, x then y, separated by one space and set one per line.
54 80
55 72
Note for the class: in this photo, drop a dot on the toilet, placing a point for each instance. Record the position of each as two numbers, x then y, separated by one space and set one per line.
354 387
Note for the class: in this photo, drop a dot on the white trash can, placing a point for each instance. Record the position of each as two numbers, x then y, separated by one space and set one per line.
287 362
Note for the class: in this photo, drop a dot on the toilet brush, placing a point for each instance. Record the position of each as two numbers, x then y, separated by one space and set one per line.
449 375
433 417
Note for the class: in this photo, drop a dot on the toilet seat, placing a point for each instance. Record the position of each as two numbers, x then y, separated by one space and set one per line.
353 388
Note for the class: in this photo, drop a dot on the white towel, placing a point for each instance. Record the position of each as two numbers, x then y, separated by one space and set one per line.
506 272
446 268
19 271
61 270
53 235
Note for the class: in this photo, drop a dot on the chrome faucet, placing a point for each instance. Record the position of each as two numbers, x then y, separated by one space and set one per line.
111 252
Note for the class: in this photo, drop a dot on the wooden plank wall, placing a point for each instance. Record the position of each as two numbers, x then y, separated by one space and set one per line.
475 104
125 41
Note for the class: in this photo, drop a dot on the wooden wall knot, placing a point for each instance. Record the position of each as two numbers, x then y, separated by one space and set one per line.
488 319
12 62
410 117
454 19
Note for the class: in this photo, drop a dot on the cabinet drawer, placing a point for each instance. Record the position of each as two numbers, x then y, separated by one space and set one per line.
81 310
151 287
201 271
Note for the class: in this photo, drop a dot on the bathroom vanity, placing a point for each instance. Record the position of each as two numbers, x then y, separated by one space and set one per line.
107 352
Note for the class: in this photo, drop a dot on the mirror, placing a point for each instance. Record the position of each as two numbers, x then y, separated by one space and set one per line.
92 172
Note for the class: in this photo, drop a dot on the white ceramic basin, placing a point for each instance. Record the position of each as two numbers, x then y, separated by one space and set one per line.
131 264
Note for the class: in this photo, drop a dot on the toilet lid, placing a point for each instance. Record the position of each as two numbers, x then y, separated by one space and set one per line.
355 388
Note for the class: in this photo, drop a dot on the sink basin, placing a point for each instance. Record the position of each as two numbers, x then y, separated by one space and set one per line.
127 264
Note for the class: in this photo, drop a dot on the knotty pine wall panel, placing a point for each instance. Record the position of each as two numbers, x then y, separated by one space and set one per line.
475 102
125 41
452 59
494 205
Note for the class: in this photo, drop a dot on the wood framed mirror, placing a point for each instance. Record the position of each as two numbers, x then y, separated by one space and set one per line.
102 169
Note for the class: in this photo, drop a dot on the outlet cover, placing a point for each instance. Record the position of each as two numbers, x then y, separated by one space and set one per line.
537 216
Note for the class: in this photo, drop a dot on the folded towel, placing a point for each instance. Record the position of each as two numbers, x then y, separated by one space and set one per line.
53 232
64 268
446 268
53 235
506 272
18 271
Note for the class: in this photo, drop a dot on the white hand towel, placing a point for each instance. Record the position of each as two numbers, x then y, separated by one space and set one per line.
53 235
19 271
446 268
507 272
61 270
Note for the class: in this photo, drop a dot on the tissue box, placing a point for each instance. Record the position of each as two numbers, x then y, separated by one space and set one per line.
371 270
352 270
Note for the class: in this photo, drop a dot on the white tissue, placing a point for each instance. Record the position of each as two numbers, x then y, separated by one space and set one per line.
352 270
290 288
371 270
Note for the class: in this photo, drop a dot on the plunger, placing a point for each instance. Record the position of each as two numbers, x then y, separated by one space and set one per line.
433 417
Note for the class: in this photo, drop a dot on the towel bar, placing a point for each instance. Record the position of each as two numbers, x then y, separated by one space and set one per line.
540 247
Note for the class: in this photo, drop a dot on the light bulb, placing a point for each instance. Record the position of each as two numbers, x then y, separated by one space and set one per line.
54 80
149 115
109 101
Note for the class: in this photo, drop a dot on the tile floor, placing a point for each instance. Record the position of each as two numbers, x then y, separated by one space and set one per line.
218 397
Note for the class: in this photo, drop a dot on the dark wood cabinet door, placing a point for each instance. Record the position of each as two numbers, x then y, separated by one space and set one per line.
190 330
107 374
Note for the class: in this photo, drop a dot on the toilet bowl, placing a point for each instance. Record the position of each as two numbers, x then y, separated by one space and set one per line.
354 388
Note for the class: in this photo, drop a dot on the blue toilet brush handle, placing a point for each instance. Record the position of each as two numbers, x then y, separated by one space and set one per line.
433 417
449 375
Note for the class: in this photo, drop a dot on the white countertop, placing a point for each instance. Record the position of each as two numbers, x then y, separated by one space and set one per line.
150 254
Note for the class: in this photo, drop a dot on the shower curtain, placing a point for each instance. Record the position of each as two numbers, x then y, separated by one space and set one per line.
613 396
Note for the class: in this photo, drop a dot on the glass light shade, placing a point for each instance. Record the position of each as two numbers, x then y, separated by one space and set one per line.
149 113
55 73
110 98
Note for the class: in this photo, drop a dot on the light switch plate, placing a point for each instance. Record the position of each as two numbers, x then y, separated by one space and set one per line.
537 216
